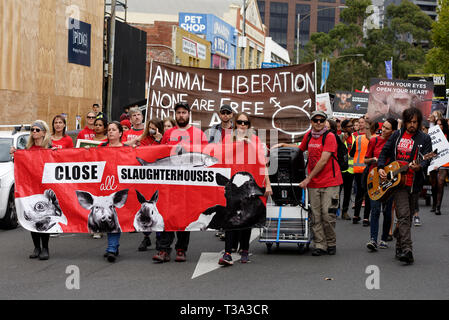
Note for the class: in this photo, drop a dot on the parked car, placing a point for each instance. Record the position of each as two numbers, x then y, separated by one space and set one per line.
18 138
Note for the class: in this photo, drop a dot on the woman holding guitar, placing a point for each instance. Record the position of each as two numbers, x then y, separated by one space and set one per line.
405 146
374 148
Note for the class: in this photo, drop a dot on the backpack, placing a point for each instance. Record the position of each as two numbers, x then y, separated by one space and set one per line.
342 152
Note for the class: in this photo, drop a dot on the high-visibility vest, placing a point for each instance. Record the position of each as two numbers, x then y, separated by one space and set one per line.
361 147
350 159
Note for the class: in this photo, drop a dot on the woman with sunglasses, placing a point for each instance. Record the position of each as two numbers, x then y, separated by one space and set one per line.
59 138
40 138
242 133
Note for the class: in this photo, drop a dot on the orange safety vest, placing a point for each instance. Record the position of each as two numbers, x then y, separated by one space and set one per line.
361 147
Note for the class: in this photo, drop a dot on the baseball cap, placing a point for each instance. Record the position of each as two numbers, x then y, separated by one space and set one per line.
226 107
182 105
318 113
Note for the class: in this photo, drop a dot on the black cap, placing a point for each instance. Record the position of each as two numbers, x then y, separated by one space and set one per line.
226 107
182 105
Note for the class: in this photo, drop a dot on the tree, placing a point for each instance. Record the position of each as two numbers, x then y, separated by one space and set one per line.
437 59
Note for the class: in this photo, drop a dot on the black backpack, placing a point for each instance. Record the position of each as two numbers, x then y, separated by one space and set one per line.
342 152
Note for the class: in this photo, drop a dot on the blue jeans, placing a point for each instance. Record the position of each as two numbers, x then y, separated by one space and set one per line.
113 242
375 214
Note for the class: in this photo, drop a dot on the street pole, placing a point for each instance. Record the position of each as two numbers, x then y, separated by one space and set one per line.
111 60
242 54
297 39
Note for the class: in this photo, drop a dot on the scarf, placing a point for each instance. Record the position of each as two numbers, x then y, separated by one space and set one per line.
317 134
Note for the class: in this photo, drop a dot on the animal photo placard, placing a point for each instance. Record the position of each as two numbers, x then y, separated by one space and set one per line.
153 188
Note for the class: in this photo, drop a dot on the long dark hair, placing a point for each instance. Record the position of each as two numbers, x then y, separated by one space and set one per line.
393 122
445 126
105 124
59 116
409 113
119 127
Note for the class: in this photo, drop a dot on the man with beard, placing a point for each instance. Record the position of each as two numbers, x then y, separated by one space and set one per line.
183 133
404 146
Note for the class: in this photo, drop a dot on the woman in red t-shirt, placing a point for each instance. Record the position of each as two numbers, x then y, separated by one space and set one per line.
100 128
242 133
40 138
59 138
374 148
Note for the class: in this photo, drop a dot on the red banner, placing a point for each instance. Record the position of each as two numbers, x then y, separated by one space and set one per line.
154 188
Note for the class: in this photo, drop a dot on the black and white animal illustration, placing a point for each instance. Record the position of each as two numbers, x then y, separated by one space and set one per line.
244 208
41 212
184 159
103 216
148 217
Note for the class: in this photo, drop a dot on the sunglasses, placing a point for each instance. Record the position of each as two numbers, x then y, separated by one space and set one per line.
91 117
35 130
320 120
242 122
225 112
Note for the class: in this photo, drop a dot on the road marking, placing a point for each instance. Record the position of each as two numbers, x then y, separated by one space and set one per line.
208 261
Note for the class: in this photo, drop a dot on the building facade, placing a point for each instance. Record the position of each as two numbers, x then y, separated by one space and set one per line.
280 19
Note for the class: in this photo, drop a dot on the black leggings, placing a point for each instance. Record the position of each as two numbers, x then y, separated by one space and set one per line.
37 237
437 180
233 237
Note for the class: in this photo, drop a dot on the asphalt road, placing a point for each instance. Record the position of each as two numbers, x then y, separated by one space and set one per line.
281 275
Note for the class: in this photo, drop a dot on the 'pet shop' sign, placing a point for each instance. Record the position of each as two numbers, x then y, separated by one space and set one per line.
154 188
280 99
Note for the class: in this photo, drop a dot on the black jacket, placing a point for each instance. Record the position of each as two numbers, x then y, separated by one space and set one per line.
422 144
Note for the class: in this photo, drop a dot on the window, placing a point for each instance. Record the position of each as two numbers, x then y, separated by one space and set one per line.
326 19
279 22
304 26
261 5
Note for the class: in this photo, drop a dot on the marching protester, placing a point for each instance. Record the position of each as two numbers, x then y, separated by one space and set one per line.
438 175
242 133
404 146
40 139
136 118
183 133
169 123
100 128
88 133
114 137
358 152
348 175
59 138
374 148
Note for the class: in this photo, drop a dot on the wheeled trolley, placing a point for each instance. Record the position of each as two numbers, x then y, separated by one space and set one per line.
287 224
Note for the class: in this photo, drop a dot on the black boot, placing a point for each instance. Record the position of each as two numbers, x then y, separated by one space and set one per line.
35 253
44 255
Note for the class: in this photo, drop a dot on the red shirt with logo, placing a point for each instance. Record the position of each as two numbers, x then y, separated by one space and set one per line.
404 155
131 134
64 142
375 146
86 133
192 135
148 141
330 175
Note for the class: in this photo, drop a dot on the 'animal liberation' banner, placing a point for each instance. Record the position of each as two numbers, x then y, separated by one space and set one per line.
276 98
154 188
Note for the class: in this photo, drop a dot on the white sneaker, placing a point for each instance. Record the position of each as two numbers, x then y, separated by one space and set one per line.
97 235
416 221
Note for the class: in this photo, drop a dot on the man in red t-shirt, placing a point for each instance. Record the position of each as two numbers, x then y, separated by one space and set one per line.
323 182
88 132
136 118
183 133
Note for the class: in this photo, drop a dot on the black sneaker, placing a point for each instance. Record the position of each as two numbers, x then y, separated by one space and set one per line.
318 252
35 253
406 257
355 220
146 242
44 255
226 260
332 250
365 223
398 253
111 256
438 211
372 245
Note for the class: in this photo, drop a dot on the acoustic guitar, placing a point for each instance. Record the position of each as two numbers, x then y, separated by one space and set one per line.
382 190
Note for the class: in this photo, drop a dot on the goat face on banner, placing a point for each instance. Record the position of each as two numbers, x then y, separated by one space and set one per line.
148 217
41 212
243 209
102 216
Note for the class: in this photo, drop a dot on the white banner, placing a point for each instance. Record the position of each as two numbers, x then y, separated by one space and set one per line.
439 142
